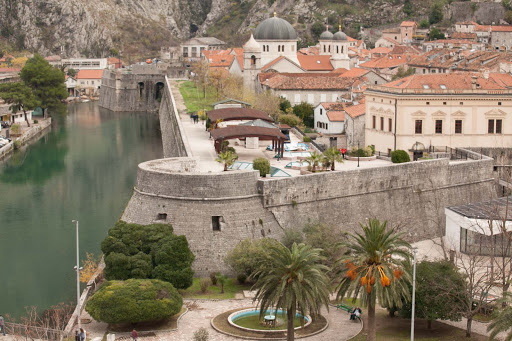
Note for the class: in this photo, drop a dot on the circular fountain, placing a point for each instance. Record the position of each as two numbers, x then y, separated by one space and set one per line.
273 320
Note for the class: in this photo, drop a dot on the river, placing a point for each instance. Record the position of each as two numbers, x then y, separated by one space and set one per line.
85 169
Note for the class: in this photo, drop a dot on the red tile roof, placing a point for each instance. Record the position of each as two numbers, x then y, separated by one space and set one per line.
268 65
220 60
407 23
9 70
382 49
315 63
336 110
356 110
316 81
355 73
464 35
336 116
504 28
89 74
385 62
452 81
340 70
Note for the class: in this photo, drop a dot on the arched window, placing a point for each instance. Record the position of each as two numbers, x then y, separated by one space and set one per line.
342 49
324 48
282 48
337 49
253 60
268 49
329 49
141 90
159 91
278 48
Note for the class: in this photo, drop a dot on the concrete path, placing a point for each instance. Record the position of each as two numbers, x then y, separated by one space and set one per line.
476 327
202 146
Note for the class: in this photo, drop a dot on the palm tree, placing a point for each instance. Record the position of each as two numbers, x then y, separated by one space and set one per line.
294 281
228 158
503 321
313 160
376 255
333 155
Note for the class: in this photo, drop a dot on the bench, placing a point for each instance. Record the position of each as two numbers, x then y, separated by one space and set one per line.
345 307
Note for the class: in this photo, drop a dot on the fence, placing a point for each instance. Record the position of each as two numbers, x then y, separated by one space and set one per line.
33 332
318 147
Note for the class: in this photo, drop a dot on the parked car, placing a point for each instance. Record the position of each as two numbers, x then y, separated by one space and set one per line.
5 124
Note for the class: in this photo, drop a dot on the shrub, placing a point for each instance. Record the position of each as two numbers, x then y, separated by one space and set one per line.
261 164
222 280
17 144
400 156
363 152
201 334
204 283
152 251
307 139
292 236
133 301
289 119
36 121
15 129
213 278
241 278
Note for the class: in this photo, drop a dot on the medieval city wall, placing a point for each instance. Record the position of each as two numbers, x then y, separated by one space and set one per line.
124 91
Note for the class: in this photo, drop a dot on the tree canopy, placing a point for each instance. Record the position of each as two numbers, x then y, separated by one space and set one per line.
134 300
20 97
46 81
152 251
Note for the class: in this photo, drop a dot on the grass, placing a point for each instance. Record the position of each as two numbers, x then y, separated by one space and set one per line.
193 97
168 324
231 287
254 322
398 329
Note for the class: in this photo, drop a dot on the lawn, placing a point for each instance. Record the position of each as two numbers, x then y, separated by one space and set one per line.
194 99
398 329
231 287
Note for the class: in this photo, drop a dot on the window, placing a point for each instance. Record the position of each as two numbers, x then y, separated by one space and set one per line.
311 98
375 82
498 126
461 103
418 126
442 86
92 82
390 124
490 127
337 49
324 48
321 111
297 98
162 216
282 48
216 223
374 122
253 60
382 123
278 48
499 103
439 126
326 126
444 103
458 126
428 103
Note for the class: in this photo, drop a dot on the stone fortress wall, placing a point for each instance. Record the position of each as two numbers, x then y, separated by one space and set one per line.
411 196
138 90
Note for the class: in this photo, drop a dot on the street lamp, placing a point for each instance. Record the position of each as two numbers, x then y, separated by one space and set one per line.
77 269
414 251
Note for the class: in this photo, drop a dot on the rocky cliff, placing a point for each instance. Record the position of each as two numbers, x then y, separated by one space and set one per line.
94 27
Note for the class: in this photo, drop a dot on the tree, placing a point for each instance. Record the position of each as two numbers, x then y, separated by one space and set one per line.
133 301
292 236
317 29
407 9
20 97
246 256
152 251
436 12
502 322
284 104
46 82
325 237
294 281
435 33
439 292
424 23
376 255
289 119
228 158
222 280
89 268
400 156
71 72
401 73
261 164
314 159
305 112
508 17
333 155
200 70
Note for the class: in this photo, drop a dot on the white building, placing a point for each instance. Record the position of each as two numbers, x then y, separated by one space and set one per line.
475 228
330 118
6 114
89 82
85 63
71 84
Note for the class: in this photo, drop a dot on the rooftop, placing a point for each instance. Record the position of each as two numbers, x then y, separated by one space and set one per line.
234 114
489 210
89 74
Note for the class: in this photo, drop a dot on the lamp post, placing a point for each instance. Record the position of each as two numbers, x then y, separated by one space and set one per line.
414 251
357 153
77 268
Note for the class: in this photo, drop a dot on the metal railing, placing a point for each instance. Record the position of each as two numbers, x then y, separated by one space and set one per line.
33 332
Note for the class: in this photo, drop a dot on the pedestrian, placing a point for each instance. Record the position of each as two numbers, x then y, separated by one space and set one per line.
77 335
134 335
83 335
2 324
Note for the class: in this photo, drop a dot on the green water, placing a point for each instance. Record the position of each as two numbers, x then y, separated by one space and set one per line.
254 322
84 169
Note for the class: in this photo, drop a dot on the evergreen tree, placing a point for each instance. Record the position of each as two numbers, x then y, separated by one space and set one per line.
20 97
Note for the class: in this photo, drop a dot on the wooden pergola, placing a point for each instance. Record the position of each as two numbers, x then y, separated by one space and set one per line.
234 132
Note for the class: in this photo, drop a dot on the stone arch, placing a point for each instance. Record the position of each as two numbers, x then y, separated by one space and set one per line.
140 88
253 60
159 90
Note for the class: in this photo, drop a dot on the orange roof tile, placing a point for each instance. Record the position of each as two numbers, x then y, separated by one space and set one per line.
222 60
407 23
385 62
336 116
463 35
503 28
315 63
356 110
340 70
271 63
452 81
383 50
355 73
89 74
313 81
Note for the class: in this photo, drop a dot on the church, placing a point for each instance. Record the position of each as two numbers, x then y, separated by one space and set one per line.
273 48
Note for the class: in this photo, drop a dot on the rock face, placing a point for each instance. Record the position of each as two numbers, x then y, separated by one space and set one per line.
92 28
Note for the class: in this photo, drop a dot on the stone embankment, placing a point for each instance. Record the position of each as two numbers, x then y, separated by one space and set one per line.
28 135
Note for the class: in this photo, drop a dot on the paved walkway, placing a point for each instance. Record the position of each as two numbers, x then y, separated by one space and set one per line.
202 146
202 311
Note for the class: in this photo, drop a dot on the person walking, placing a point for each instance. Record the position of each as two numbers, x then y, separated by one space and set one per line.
83 335
2 324
77 335
134 335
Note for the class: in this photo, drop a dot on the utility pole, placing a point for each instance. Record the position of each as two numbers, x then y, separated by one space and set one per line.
414 251
77 268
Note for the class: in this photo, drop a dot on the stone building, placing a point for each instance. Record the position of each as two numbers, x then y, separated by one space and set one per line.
454 110
192 49
88 82
501 37
355 123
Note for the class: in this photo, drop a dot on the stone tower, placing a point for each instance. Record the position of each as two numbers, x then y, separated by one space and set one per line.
252 63
326 42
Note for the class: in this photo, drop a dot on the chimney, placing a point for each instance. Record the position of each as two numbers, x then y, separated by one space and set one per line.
486 73
408 58
473 82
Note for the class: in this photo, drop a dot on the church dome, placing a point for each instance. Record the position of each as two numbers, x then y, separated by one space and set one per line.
326 35
275 29
339 36
252 45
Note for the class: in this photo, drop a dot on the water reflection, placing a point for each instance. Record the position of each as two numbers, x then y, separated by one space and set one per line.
84 169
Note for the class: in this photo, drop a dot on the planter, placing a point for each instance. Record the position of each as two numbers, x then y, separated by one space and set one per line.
361 158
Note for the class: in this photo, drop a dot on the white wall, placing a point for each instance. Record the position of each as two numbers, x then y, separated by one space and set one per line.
320 115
